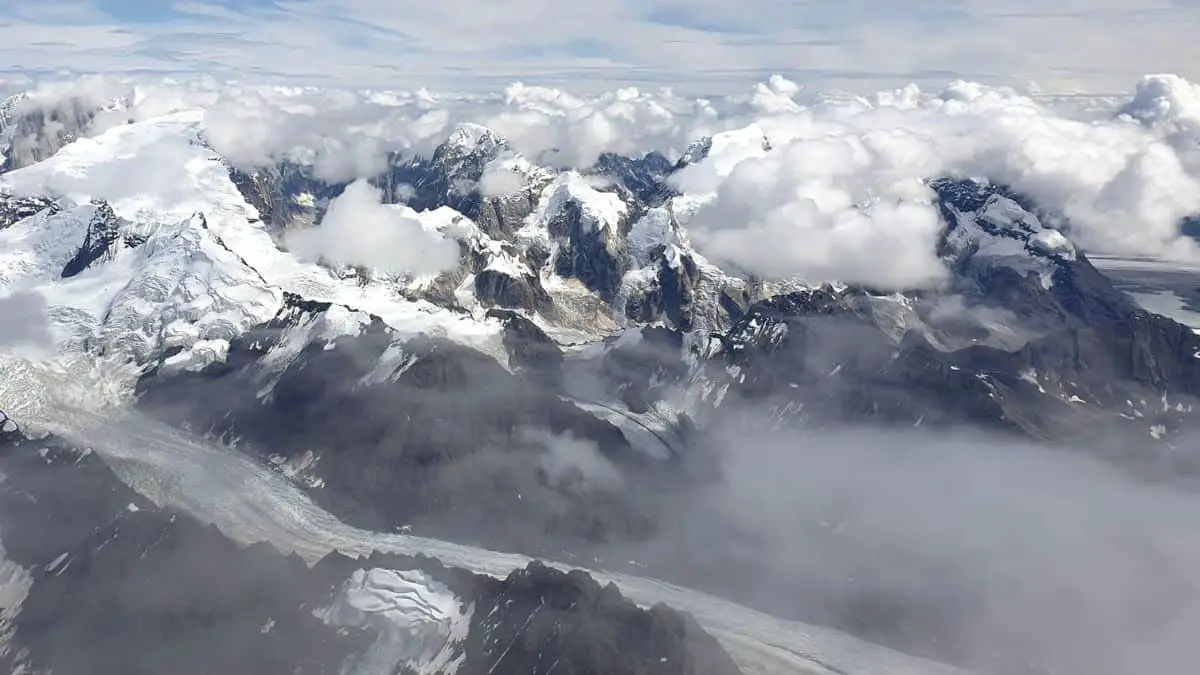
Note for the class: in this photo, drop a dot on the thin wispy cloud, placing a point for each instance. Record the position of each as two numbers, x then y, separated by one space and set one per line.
708 45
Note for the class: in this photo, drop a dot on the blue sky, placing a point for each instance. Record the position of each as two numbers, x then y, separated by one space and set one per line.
701 45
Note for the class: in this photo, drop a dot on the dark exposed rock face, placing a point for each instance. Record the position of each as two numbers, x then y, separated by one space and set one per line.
543 621
13 209
398 443
100 243
451 175
818 354
1088 367
39 131
500 217
285 194
121 586
596 256
671 294
530 351
646 177
497 288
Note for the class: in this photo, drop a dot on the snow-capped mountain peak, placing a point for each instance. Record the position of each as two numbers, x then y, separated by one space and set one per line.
987 225
203 266
473 138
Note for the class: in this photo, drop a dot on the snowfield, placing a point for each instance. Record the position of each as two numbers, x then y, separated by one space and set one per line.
208 269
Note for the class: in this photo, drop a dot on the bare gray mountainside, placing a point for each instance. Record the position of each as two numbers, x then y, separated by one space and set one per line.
32 129
118 585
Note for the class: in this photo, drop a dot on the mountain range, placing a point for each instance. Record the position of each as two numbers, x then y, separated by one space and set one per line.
542 363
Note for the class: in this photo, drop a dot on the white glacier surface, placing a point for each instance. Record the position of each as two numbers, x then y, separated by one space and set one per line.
419 621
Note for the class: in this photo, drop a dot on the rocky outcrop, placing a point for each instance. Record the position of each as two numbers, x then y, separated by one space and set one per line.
591 250
531 353
540 620
13 209
510 289
668 294
451 175
646 176
37 130
102 241
501 216
286 195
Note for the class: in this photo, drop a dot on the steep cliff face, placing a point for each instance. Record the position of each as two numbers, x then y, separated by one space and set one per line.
286 195
1028 336
101 241
36 130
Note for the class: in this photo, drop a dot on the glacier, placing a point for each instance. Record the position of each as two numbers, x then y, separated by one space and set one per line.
251 504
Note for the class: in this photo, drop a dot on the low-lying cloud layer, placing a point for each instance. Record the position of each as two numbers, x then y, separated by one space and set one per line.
1000 555
796 184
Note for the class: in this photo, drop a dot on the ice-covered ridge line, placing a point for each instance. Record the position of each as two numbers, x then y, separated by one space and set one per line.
182 177
251 504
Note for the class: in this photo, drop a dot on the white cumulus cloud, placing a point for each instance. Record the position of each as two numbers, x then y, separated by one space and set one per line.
797 183
501 178
839 194
359 230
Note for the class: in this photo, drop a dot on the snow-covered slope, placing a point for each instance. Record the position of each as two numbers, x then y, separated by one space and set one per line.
195 266
419 621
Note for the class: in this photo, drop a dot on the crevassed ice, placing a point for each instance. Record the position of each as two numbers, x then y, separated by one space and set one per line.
419 622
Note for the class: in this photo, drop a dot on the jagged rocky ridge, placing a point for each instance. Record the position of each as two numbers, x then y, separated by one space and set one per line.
1028 338
1021 288
113 584
1039 342
586 232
